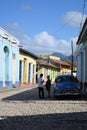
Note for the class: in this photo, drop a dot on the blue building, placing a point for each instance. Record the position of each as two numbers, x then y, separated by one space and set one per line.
9 60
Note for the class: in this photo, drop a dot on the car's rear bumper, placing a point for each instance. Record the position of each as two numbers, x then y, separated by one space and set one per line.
63 94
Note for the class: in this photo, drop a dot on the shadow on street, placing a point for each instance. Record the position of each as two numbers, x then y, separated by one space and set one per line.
32 94
65 121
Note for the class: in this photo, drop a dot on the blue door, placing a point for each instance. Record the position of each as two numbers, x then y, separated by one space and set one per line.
29 72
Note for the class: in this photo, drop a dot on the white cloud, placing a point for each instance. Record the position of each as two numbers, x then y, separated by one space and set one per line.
13 26
42 43
44 38
74 19
26 7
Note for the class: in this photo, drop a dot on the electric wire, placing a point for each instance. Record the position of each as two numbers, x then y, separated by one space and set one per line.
66 23
81 23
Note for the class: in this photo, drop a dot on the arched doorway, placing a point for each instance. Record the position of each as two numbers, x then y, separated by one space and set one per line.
6 66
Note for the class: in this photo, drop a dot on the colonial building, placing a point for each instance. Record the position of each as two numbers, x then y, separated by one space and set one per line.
53 66
27 67
9 59
82 57
47 69
64 67
74 71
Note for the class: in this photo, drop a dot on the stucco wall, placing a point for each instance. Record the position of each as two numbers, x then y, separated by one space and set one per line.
28 60
7 50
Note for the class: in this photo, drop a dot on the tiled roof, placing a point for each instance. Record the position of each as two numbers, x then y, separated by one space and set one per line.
83 34
70 62
44 63
28 53
61 62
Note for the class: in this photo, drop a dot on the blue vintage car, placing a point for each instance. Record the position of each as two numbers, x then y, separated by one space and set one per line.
66 85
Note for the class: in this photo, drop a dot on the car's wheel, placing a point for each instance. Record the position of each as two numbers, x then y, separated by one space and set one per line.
79 96
55 97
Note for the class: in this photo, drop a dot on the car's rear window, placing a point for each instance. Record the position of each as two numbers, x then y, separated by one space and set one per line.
66 79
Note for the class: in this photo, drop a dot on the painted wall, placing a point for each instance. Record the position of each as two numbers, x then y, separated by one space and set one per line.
82 65
27 68
9 60
64 70
85 63
53 72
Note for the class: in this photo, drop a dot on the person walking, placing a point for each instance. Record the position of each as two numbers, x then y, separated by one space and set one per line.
40 86
48 85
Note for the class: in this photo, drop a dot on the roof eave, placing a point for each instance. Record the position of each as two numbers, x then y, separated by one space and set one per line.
83 34
29 53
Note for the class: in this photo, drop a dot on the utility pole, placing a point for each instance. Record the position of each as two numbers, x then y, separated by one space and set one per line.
72 58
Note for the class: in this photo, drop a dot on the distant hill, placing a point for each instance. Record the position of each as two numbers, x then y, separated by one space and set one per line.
70 58
64 57
57 54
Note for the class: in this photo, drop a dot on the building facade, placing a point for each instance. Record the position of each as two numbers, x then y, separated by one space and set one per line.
9 59
64 67
82 57
27 67
47 68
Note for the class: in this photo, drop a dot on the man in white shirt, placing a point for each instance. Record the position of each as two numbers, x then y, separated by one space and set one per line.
40 86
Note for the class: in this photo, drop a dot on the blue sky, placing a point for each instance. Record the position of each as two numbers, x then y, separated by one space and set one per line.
44 26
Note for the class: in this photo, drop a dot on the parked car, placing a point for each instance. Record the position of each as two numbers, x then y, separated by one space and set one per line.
66 85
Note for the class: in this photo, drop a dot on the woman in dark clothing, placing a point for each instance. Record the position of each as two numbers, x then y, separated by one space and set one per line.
48 85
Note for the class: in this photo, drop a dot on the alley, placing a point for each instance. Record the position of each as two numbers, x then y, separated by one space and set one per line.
21 109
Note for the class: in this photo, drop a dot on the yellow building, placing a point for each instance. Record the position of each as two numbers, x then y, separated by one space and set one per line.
27 67
46 69
63 66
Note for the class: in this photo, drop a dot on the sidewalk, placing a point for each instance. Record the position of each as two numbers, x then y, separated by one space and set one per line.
4 89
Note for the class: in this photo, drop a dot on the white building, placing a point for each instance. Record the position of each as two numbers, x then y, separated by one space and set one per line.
82 57
9 59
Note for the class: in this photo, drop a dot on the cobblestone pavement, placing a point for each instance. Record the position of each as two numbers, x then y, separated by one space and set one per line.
21 109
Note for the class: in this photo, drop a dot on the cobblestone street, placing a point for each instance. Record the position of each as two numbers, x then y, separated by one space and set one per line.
21 109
